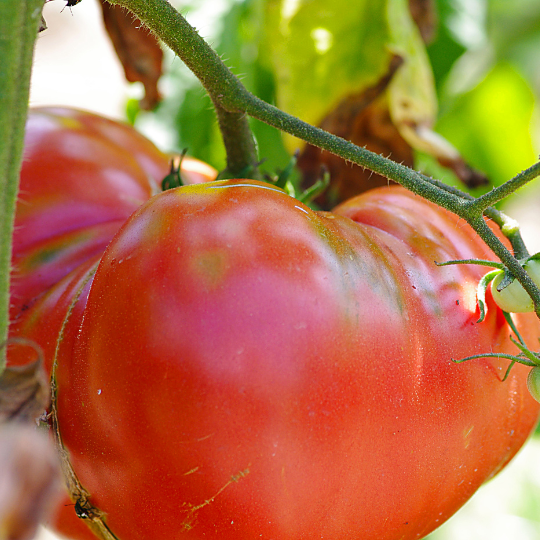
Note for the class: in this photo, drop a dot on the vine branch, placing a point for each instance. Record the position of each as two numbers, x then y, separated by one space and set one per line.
501 192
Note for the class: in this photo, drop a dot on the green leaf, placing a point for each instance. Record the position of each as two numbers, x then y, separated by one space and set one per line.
412 98
322 51
491 124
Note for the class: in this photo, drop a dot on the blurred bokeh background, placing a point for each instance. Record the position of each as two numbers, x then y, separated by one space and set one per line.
485 59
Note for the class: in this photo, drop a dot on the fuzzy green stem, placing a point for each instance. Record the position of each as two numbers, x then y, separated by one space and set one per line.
19 24
412 180
501 192
239 145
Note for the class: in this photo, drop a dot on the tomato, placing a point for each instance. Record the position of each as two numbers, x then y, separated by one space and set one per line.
513 298
533 382
82 176
236 366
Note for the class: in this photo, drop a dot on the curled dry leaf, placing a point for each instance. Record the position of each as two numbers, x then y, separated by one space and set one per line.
30 483
24 391
138 50
365 120
424 15
412 98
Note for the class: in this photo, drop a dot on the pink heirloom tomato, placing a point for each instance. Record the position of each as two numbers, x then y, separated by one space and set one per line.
82 177
234 365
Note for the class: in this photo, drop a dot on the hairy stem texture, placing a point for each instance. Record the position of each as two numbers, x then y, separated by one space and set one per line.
19 24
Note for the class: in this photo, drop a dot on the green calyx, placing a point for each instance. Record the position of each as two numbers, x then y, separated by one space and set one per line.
174 178
507 292
511 297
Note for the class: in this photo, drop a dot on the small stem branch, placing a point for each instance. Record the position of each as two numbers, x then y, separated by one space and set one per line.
501 192
19 23
490 238
508 226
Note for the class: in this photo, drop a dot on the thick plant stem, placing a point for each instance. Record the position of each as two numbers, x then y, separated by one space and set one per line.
228 93
239 145
19 24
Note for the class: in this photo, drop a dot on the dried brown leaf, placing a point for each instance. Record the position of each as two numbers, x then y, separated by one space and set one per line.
24 391
30 480
363 119
467 174
138 50
424 15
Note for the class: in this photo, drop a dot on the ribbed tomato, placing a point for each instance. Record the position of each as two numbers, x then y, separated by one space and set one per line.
236 366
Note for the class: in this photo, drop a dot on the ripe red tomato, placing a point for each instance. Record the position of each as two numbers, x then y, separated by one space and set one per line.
243 367
82 176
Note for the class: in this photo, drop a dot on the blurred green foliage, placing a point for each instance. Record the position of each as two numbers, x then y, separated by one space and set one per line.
500 110
486 68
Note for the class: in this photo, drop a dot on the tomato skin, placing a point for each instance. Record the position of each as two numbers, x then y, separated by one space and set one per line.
285 373
237 366
82 176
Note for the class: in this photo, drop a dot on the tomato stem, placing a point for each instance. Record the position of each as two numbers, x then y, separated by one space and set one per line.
19 24
501 192
239 143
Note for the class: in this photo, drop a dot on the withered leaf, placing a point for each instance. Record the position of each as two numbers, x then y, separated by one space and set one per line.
363 119
138 50
30 480
24 391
